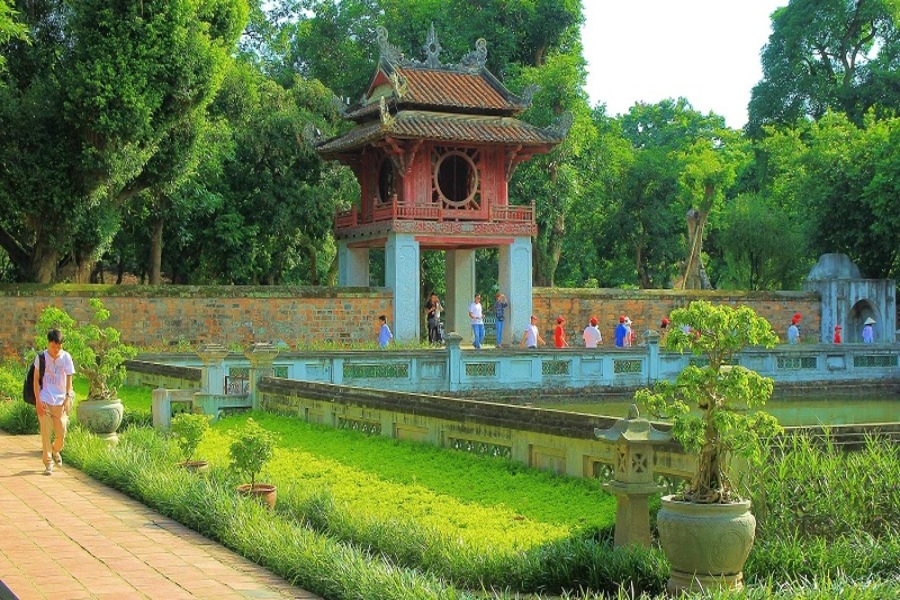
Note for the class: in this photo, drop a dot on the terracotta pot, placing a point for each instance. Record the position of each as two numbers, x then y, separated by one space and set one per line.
706 544
263 492
101 417
195 466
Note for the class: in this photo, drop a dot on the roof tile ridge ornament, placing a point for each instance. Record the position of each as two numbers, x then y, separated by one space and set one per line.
432 49
474 61
389 52
560 128
387 119
527 96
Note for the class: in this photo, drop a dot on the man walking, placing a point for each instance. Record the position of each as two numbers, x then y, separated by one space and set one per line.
476 314
54 399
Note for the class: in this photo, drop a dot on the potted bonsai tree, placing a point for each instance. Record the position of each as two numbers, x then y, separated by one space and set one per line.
99 355
707 530
188 430
250 449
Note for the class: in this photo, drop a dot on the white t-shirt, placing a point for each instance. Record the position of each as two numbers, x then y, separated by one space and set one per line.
591 336
476 313
53 387
531 333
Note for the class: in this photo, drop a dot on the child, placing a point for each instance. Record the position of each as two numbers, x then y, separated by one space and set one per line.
384 333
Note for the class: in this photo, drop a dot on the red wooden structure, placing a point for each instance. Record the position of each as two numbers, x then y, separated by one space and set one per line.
433 149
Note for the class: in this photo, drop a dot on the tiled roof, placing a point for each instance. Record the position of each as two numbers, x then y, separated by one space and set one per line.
443 127
448 91
444 88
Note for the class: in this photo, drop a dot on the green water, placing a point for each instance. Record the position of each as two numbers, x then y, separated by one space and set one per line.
809 409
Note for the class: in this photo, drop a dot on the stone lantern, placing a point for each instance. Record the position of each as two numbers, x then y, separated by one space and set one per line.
633 482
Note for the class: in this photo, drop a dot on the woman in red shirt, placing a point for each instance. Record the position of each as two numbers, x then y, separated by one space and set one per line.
559 335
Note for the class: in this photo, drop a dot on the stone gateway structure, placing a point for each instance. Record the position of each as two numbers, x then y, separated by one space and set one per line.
433 148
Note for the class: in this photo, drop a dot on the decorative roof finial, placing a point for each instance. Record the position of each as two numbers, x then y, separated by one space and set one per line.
474 60
388 51
432 49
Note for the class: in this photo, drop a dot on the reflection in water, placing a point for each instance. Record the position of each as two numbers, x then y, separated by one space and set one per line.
879 406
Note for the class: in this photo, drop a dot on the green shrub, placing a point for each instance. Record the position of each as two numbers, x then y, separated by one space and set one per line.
188 430
251 449
18 418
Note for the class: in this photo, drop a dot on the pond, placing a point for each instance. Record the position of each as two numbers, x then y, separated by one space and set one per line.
811 408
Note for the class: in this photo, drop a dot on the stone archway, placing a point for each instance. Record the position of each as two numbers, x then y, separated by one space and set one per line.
859 312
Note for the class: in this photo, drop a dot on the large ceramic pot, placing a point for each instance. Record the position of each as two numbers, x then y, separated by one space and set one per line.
101 417
706 544
263 492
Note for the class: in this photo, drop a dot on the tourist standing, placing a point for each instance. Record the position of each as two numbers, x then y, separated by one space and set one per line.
591 335
559 334
868 332
433 310
532 337
500 306
629 334
54 396
384 332
793 332
476 315
837 334
621 332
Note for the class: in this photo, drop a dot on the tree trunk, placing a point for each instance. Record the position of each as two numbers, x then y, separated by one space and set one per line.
694 277
156 246
43 263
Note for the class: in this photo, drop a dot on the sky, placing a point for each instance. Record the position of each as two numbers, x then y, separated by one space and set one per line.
704 50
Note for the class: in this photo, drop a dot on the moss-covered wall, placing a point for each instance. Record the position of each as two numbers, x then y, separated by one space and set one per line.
648 307
164 316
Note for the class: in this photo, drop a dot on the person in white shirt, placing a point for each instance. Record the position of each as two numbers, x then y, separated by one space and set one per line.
532 337
476 314
54 396
592 336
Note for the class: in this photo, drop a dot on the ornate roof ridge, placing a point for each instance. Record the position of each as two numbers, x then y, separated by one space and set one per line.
473 62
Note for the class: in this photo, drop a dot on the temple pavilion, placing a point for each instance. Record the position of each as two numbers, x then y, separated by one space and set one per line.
433 147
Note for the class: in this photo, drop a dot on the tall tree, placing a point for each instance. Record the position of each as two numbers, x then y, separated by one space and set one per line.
87 120
842 55
682 159
10 29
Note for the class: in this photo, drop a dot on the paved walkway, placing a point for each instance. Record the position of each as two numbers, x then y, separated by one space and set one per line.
69 537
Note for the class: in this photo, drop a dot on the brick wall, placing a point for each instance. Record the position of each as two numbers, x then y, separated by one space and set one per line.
157 317
647 308
161 316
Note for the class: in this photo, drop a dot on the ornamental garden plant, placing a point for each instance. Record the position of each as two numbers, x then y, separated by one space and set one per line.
706 529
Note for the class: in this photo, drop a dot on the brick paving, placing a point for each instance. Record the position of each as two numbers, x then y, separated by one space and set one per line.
69 537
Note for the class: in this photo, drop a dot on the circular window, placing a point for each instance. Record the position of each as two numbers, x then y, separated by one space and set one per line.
456 178
386 181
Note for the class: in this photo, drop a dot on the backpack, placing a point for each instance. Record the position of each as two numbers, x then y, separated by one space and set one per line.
28 386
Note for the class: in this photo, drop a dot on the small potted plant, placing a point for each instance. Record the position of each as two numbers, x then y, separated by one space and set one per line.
99 355
250 449
188 430
707 530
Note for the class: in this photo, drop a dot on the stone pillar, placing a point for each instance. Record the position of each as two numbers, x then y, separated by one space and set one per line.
454 361
652 338
633 484
401 275
516 282
353 265
213 378
261 357
460 265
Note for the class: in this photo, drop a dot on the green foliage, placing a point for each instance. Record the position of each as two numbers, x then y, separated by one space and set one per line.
725 394
250 449
188 430
761 244
97 109
827 54
98 352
